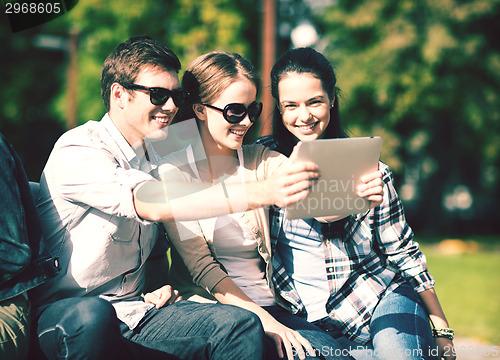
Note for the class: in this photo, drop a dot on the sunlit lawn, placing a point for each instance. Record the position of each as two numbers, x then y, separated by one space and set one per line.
468 286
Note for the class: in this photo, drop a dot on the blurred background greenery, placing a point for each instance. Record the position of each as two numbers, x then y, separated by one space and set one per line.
422 74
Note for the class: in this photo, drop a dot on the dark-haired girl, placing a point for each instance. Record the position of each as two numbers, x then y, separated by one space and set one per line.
361 279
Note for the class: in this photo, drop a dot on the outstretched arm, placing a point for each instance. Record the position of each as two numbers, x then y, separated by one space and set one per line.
178 200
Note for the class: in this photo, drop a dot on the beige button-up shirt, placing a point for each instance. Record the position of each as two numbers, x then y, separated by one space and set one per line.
89 219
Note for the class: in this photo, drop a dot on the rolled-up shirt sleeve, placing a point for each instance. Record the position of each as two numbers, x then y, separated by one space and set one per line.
97 179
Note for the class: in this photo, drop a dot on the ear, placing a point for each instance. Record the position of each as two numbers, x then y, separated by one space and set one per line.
119 95
199 111
333 101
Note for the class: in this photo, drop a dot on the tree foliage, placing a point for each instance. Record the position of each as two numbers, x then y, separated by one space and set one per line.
425 75
37 78
189 27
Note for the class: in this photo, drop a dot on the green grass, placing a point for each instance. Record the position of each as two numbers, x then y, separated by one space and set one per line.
468 286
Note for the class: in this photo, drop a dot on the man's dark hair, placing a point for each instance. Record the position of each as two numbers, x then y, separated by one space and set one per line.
130 57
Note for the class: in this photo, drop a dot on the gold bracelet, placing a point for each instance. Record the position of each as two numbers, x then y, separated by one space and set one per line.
443 332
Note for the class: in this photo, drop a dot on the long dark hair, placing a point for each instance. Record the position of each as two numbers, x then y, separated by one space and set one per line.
309 61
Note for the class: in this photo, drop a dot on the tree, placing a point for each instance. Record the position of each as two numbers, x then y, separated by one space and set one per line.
36 78
425 75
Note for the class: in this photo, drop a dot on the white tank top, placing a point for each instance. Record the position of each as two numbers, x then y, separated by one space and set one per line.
236 247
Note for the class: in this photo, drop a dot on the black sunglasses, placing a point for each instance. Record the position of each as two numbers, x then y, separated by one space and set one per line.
159 95
235 112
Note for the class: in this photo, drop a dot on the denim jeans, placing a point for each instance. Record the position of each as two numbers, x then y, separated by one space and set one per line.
399 329
87 328
324 345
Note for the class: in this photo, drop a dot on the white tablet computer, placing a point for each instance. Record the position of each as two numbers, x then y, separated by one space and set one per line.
341 162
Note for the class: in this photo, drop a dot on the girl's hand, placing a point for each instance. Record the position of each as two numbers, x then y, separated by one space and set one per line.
372 188
291 340
445 349
292 181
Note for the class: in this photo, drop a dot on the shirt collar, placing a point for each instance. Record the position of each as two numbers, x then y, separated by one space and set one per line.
135 157
124 146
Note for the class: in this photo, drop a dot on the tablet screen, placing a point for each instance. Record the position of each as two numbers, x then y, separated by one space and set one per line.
341 162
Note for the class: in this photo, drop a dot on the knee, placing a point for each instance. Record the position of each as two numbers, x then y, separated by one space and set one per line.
252 321
236 317
94 316
239 332
232 322
404 347
67 327
82 317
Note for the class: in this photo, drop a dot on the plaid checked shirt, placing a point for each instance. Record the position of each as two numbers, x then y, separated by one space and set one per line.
372 253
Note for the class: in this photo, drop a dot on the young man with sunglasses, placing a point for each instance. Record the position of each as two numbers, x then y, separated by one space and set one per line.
98 220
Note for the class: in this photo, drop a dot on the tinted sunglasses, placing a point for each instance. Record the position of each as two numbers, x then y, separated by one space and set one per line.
159 95
235 112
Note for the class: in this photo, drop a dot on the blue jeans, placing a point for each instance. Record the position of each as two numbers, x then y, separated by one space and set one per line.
87 328
325 346
399 329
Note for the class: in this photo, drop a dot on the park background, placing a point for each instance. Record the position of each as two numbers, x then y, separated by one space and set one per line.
422 74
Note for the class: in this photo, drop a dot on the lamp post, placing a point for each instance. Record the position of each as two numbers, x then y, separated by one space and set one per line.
72 91
268 58
303 34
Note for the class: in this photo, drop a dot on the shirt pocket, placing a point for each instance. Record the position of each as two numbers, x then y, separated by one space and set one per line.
122 230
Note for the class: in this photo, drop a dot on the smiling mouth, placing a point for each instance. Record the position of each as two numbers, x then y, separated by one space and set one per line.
237 132
162 120
307 127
